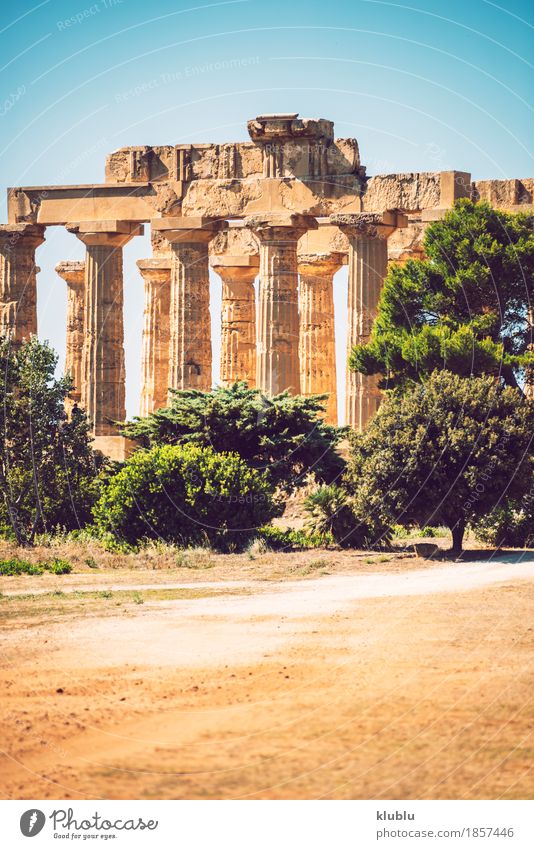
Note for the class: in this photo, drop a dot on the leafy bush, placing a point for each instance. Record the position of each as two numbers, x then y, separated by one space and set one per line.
402 532
332 512
17 566
509 525
58 566
184 495
278 539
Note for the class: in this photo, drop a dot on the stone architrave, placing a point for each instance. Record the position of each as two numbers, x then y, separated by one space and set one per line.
238 317
317 344
278 316
103 386
18 283
156 273
73 273
190 320
368 259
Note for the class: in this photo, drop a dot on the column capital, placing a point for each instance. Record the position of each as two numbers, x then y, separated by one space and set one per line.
71 272
320 265
369 225
108 233
235 261
155 269
12 234
187 229
243 268
280 227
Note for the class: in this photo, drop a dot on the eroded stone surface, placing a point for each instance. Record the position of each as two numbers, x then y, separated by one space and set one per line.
190 320
278 366
103 375
317 343
18 285
238 317
368 258
156 273
73 273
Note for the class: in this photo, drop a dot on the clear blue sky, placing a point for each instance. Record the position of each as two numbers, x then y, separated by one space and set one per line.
424 85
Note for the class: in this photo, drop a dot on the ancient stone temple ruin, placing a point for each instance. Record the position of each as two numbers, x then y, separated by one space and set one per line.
291 205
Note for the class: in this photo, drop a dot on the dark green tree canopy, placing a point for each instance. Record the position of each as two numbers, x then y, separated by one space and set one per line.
445 452
464 309
284 437
47 467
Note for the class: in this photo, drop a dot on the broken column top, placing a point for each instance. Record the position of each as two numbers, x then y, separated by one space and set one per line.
287 125
71 270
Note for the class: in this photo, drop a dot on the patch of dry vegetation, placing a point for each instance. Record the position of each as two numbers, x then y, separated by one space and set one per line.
26 610
94 565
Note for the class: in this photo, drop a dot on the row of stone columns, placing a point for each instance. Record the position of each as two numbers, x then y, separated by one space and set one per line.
293 347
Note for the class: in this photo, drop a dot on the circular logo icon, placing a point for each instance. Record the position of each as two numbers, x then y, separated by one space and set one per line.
32 822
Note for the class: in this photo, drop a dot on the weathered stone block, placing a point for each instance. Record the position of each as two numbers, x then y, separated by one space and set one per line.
410 192
500 193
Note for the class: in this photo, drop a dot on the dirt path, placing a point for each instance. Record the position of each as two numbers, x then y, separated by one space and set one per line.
393 685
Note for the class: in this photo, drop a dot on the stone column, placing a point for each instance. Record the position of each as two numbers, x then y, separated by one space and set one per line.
278 331
103 373
238 317
190 320
73 273
18 284
156 273
368 257
317 343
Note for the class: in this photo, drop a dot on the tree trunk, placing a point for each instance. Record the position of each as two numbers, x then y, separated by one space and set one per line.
20 536
458 531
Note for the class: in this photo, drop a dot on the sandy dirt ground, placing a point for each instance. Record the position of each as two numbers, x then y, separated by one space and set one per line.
403 679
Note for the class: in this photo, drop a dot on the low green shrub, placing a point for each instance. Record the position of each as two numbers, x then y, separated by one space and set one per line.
509 525
184 495
403 532
57 566
277 539
17 566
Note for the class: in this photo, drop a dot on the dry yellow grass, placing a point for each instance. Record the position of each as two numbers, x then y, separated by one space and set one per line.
93 564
